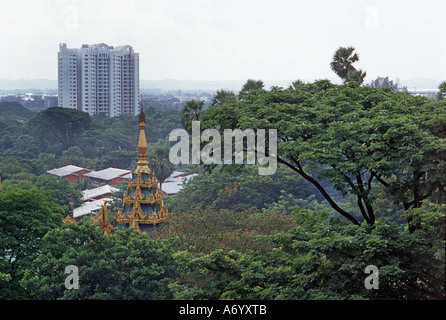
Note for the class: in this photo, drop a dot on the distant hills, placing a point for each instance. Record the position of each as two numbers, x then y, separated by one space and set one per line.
36 84
173 84
48 85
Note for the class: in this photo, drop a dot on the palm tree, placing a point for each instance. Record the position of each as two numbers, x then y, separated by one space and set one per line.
442 91
250 85
160 163
343 60
191 112
223 96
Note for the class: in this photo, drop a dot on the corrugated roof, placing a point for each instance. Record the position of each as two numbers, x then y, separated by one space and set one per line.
171 187
64 171
97 192
89 207
109 173
180 177
174 183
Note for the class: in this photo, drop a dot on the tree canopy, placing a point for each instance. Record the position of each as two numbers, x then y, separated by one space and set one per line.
242 191
191 112
324 258
11 110
249 86
441 91
25 217
354 136
360 181
127 265
59 126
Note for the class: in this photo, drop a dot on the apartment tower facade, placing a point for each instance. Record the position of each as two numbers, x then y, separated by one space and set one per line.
99 79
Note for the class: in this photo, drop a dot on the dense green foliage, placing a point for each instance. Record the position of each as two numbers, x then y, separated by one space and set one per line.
126 266
245 190
324 258
441 91
62 191
209 229
58 136
360 182
191 112
356 137
61 127
25 217
11 110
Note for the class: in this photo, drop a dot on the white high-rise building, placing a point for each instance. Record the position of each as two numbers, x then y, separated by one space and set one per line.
99 79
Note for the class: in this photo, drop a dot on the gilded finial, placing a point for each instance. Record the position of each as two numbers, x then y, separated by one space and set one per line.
142 164
142 117
142 144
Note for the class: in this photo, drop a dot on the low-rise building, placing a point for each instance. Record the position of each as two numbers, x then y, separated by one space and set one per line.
89 207
72 173
98 193
175 182
109 176
106 178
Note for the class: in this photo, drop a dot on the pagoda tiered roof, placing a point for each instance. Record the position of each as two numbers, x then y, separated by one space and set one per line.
143 203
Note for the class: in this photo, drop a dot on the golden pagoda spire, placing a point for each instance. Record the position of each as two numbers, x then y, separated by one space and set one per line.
142 164
142 204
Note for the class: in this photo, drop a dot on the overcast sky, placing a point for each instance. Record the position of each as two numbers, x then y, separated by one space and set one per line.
230 39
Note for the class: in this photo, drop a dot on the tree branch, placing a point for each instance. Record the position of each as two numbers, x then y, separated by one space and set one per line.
371 215
378 177
327 197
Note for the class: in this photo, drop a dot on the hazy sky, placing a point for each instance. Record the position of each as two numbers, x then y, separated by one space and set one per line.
230 39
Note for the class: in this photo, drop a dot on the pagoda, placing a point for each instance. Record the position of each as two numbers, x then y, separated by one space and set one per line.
143 203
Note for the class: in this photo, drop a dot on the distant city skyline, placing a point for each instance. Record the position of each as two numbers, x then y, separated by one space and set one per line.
50 86
230 40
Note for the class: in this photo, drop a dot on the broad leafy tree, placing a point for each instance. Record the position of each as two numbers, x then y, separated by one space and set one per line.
242 191
355 137
250 85
58 129
62 191
222 96
209 229
25 217
325 257
441 91
126 265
